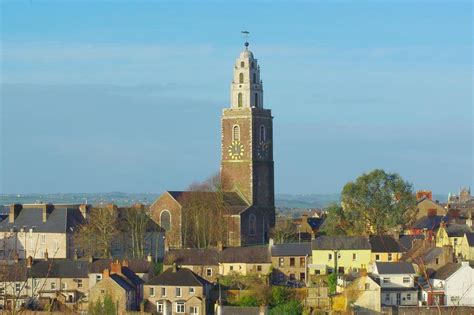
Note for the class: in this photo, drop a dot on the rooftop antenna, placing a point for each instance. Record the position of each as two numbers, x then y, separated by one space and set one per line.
246 35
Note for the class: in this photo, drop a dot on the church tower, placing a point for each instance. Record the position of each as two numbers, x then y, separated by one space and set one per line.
247 146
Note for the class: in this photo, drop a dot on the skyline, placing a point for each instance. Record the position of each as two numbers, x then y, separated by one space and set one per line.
352 88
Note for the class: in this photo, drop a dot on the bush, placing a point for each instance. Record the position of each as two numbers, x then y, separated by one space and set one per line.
248 301
280 295
292 307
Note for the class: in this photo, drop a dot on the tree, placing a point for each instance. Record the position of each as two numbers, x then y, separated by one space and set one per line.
375 203
136 224
336 222
284 231
105 307
95 236
292 307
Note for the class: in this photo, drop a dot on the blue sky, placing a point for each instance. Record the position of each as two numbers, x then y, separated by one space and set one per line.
126 96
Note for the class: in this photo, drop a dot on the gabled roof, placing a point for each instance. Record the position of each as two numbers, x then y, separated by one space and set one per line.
251 254
470 239
316 223
135 265
340 242
446 271
192 257
121 282
60 268
180 277
406 241
457 230
428 222
384 244
231 201
61 219
393 268
292 249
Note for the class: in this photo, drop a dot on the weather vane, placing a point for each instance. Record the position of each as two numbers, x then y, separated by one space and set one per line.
246 36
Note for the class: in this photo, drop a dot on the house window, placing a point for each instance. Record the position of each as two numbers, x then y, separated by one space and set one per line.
98 278
191 290
178 292
180 307
252 224
389 256
409 296
455 241
292 262
209 272
236 133
17 287
387 297
377 257
330 270
292 276
302 262
317 272
339 255
159 307
437 261
2 291
302 276
330 256
354 256
63 286
406 280
53 285
241 78
193 310
165 220
281 262
231 268
43 238
239 100
152 291
259 267
367 286
163 292
102 291
79 283
386 280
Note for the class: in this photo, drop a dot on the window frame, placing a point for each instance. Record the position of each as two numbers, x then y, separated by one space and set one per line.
180 304
180 290
163 291
151 291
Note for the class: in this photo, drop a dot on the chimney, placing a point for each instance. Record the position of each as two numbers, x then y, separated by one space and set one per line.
46 256
396 234
220 247
106 273
29 262
91 259
83 209
262 310
218 308
175 267
149 258
47 209
116 267
14 212
469 220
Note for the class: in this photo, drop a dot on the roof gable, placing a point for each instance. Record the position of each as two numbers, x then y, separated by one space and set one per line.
384 244
180 277
393 268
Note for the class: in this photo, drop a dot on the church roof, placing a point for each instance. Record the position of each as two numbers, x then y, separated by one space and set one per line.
232 202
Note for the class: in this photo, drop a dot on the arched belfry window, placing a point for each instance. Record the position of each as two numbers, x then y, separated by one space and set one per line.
252 224
236 133
252 64
239 100
165 220
256 99
241 78
242 64
262 133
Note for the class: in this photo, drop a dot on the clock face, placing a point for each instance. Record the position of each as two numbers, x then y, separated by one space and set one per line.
236 150
262 151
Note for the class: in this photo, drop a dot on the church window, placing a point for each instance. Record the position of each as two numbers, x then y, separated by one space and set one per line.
236 133
165 220
262 133
252 224
239 100
252 64
242 64
241 78
256 99
254 80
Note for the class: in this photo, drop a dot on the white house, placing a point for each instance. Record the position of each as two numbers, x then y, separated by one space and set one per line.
452 285
397 283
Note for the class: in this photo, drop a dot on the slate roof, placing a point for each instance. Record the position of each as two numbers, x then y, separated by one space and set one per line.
384 244
233 203
457 230
292 249
340 242
428 222
182 277
192 256
446 271
61 219
393 268
406 241
121 282
54 268
251 254
470 239
135 265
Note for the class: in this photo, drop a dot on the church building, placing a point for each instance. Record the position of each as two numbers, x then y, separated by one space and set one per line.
247 168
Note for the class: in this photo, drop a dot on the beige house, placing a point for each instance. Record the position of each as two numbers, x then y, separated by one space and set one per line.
290 262
385 248
467 247
177 291
364 294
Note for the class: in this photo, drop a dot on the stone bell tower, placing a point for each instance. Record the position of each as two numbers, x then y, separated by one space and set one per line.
247 141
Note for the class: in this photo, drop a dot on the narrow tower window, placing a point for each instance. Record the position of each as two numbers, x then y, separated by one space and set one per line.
241 78
252 64
239 100
242 64
236 133
252 224
254 80
256 99
262 133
